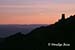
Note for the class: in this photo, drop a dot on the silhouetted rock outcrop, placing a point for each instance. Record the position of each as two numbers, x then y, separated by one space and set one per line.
61 30
37 39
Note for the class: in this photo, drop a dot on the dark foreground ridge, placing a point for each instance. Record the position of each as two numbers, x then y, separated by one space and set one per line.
62 31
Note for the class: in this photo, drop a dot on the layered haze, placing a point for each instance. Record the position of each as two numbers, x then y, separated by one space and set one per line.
7 30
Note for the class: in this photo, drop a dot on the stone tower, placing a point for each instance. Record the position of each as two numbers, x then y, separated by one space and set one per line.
63 17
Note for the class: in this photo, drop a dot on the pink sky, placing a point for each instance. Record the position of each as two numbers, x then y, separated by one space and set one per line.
35 12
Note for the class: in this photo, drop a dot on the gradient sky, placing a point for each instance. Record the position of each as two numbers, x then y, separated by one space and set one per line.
34 11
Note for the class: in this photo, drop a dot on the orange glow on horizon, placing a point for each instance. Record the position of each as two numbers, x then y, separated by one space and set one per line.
34 20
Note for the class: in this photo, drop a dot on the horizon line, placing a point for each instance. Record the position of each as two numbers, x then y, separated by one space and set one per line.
24 24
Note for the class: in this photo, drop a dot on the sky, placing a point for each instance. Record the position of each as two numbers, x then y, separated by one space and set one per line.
34 11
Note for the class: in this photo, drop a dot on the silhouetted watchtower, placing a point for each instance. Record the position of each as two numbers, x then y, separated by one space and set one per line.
63 17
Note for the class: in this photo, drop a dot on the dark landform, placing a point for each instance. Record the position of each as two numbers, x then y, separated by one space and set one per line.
63 31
